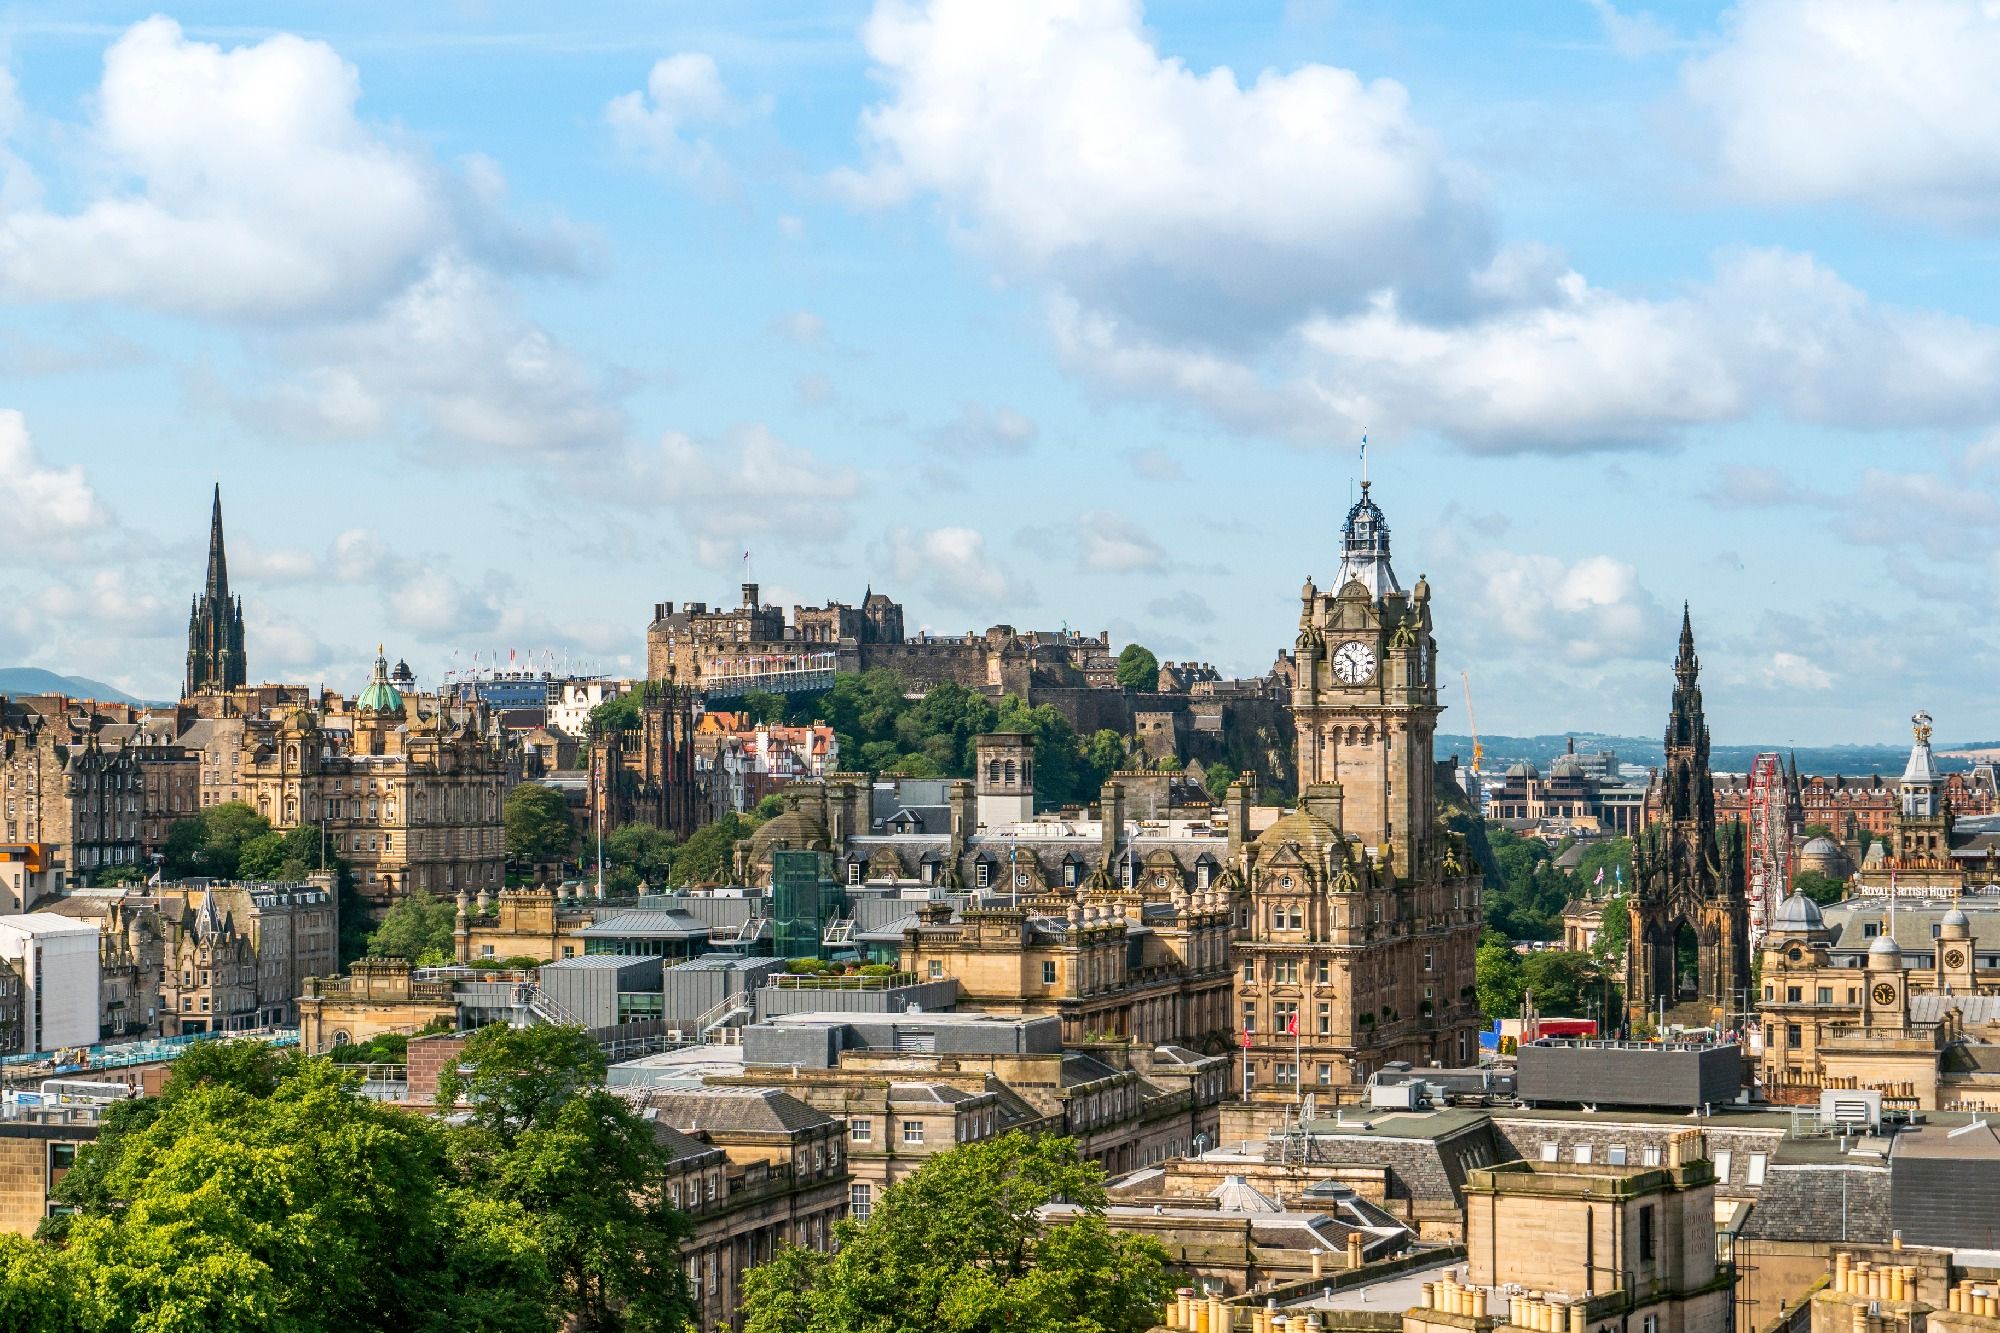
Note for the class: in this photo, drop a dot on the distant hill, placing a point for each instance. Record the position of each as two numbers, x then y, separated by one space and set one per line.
34 680
1648 752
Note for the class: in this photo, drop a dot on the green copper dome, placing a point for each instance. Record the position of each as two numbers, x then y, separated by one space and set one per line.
379 696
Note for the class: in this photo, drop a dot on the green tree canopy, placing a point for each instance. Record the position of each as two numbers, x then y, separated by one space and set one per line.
641 852
546 1135
959 1247
417 927
1138 669
1497 976
259 1192
539 827
1822 889
1614 929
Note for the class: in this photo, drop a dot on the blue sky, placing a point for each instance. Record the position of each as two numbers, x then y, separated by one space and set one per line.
499 323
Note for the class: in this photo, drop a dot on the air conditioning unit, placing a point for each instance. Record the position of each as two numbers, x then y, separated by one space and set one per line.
1851 1110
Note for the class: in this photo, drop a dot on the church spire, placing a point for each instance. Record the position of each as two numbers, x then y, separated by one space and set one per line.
217 585
1686 665
215 659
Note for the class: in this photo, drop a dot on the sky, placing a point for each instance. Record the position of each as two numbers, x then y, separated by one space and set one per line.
499 323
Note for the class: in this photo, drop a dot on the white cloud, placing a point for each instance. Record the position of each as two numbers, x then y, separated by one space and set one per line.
108 601
1586 612
749 483
240 184
950 564
1895 106
1112 544
42 502
1790 671
1062 142
448 360
681 90
980 430
1633 35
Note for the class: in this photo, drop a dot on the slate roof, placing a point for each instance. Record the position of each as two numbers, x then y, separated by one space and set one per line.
758 1110
682 1147
1822 1201
647 924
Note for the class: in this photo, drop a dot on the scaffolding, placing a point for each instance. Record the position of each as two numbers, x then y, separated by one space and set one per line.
1769 847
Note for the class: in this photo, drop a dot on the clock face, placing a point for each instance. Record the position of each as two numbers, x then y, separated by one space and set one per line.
1885 994
1020 879
1953 958
1353 662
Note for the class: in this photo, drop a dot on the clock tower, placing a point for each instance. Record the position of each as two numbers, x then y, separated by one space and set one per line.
1365 701
1364 910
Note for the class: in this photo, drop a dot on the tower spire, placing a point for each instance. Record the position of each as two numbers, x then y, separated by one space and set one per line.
218 564
1686 664
215 625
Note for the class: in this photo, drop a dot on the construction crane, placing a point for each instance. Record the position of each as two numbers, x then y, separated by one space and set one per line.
1478 751
1472 720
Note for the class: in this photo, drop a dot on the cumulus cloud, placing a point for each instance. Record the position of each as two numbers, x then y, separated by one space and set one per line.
1186 607
1585 612
1893 106
1791 671
43 503
681 90
240 184
950 564
747 483
449 360
1062 142
1298 257
111 600
800 326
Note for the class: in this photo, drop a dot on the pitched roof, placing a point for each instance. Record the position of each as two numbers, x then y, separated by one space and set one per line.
726 1110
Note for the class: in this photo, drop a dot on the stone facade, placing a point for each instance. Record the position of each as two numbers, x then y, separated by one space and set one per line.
410 798
1363 913
377 996
36 1150
64 789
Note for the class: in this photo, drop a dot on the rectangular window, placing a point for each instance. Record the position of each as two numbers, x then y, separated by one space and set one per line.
979 874
1793 995
62 1156
913 1131
1325 1074
860 1201
1645 1233
1794 1036
1325 1022
1430 960
1249 971
1548 1152
1649 1156
1320 972
485 951
1583 1154
862 1130
1825 995
1048 974
1722 1161
853 872
1755 1176
1249 1015
1615 1154
937 968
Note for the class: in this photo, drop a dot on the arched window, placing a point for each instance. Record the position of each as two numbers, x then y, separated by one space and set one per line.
993 771
1010 770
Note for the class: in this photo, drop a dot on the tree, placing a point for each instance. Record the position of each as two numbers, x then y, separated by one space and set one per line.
211 844
1562 982
1613 930
707 856
959 1246
517 1078
259 1191
539 827
1216 778
115 875
641 852
417 927
546 1135
1138 669
1497 976
1822 889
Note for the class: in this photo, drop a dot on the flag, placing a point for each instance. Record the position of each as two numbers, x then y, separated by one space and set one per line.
1246 1038
1292 1024
746 555
1600 876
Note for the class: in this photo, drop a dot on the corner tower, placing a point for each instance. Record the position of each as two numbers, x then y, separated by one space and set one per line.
215 659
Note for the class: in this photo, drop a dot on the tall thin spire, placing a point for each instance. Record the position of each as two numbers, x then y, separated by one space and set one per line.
1686 665
218 564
